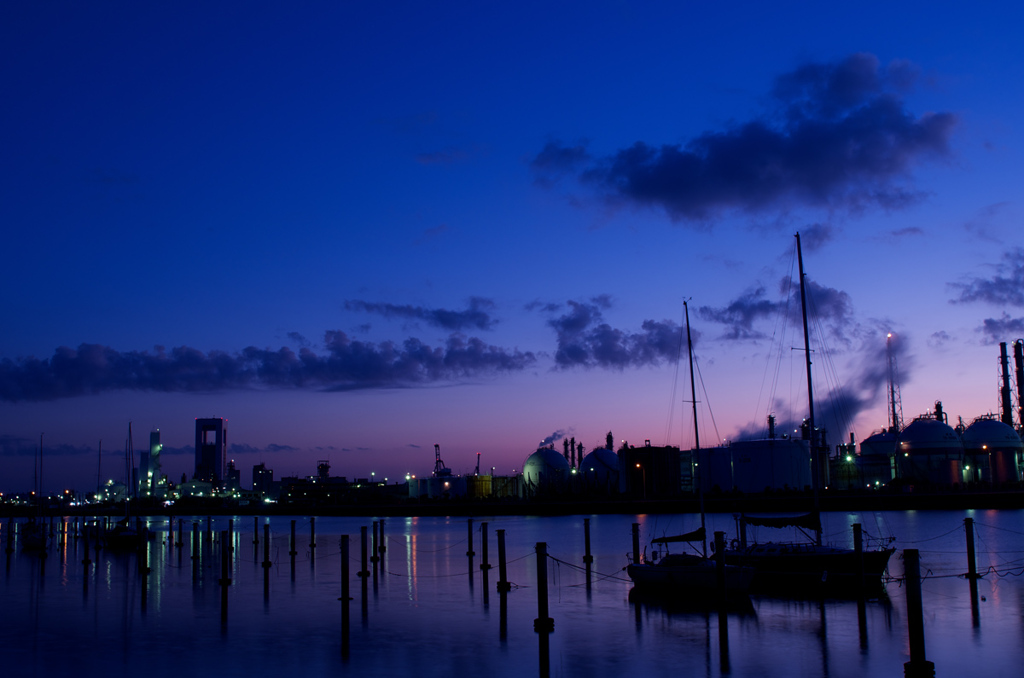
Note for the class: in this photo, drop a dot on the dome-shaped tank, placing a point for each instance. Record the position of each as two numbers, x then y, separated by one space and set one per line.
991 451
875 462
930 452
600 470
545 469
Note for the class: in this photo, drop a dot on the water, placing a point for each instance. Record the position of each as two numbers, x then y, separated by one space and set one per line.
430 611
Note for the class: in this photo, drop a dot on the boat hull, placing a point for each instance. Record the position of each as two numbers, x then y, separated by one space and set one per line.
811 569
697 578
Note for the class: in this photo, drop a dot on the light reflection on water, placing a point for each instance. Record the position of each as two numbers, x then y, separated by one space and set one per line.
429 609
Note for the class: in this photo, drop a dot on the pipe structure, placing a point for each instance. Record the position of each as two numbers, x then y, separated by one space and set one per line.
1004 389
1018 360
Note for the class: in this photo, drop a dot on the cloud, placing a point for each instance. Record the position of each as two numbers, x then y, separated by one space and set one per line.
1005 288
741 316
998 329
585 340
347 365
839 138
475 316
238 450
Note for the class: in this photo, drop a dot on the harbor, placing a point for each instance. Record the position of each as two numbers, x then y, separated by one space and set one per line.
423 596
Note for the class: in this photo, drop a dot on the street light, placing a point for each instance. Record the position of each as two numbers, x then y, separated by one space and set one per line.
643 476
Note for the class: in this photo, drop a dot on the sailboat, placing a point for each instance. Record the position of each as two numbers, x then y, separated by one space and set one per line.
123 536
808 568
35 535
692 575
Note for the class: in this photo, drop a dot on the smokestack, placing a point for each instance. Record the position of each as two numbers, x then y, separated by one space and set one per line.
771 426
1004 391
1018 359
939 414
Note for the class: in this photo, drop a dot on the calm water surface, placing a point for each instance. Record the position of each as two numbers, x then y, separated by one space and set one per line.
431 611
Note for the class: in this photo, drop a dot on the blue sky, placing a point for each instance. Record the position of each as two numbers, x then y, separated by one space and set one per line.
356 230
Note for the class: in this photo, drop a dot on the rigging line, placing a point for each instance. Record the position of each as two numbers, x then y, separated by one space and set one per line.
945 534
675 385
707 400
993 527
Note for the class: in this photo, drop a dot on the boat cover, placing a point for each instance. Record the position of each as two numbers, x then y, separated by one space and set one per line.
696 535
808 521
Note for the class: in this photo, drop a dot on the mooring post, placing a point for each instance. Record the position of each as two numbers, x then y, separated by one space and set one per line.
587 558
255 529
10 537
543 623
209 530
918 666
483 549
87 561
180 543
858 550
636 542
195 540
373 546
345 598
170 532
503 585
972 567
230 545
292 552
720 564
383 545
312 535
266 547
364 570
470 552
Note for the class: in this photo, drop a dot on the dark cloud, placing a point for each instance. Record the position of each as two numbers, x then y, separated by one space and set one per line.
347 365
816 236
839 138
741 314
996 330
299 339
1005 288
585 340
826 305
475 316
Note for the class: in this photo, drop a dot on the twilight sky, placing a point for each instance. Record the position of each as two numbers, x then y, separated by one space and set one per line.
358 229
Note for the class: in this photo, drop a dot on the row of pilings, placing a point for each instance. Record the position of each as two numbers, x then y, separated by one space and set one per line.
94 534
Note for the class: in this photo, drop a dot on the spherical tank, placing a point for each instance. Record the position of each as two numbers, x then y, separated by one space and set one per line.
930 452
600 468
545 468
991 450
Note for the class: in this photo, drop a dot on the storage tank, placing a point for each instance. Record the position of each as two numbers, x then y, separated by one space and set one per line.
992 451
876 459
600 470
930 452
546 470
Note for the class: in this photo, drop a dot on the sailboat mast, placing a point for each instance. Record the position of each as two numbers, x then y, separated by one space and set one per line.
810 389
696 428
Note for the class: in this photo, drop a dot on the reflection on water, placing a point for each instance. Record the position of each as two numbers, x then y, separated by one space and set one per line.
421 600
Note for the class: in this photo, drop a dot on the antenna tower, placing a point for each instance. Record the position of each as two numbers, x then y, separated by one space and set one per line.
895 403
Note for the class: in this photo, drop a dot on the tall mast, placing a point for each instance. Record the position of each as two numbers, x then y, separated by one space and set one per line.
696 428
810 389
895 404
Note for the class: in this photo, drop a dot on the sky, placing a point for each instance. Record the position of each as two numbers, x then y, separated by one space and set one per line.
356 230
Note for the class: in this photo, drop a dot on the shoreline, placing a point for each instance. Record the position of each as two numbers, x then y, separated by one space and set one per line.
769 503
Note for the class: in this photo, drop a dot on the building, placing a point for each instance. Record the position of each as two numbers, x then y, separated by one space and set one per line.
211 450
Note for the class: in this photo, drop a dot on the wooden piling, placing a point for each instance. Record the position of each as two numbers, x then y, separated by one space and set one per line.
483 541
918 666
543 624
470 552
972 567
503 585
587 558
364 570
312 536
858 550
373 546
